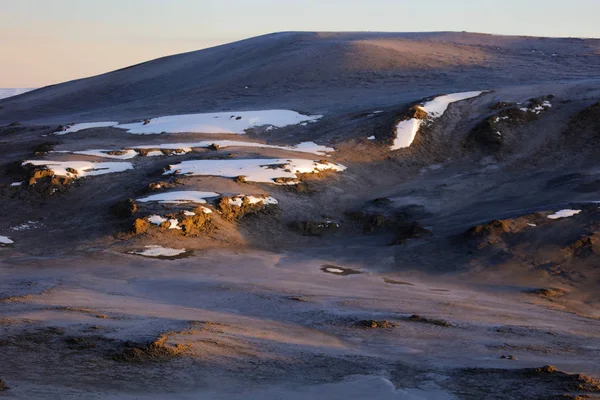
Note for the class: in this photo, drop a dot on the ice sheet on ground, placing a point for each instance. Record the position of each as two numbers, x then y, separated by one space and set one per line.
566 213
239 199
304 147
83 168
159 251
254 170
407 130
180 196
5 93
438 106
86 125
235 122
104 153
5 240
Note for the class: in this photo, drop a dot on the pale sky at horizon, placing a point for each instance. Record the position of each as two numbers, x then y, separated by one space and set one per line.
50 41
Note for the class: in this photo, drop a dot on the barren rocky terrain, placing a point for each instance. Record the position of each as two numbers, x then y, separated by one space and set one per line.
314 259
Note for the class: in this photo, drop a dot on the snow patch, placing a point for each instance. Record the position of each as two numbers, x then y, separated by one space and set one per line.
5 240
83 168
438 106
254 170
87 125
239 200
127 154
156 219
371 137
16 184
304 147
159 251
407 130
234 122
566 213
26 226
180 197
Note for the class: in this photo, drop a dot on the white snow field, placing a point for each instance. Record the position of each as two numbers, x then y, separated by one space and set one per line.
127 154
159 251
235 122
179 197
239 199
438 106
5 240
5 93
83 168
566 213
255 170
87 125
407 130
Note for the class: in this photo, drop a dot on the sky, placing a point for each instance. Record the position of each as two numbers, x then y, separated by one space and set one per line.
50 41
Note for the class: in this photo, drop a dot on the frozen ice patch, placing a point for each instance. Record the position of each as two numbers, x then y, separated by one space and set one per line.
438 106
566 213
239 200
304 147
255 170
181 196
234 122
5 240
81 168
118 154
87 125
407 130
159 251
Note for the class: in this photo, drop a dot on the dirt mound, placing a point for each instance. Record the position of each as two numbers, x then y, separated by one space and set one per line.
496 231
155 351
497 132
232 212
549 293
586 120
374 324
315 228
125 208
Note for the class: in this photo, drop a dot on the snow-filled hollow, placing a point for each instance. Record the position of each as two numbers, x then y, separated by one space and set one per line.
159 251
82 168
180 197
229 122
254 170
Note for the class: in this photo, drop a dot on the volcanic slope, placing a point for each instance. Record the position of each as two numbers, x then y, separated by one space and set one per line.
316 72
